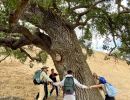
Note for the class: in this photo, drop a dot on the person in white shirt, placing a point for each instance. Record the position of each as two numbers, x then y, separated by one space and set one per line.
42 95
76 82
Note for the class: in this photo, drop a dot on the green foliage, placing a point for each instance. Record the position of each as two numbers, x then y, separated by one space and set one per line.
15 53
36 19
101 26
42 56
117 54
22 57
88 34
43 3
3 51
124 48
10 5
3 17
2 34
19 55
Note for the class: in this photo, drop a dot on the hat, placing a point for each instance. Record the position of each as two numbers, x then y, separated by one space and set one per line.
44 67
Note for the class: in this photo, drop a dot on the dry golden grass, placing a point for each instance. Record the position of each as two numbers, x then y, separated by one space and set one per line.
16 78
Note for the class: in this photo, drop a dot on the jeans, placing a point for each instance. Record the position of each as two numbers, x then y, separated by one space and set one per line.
56 88
109 98
46 91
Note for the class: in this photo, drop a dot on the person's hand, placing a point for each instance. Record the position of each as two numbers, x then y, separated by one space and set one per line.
48 83
51 82
90 87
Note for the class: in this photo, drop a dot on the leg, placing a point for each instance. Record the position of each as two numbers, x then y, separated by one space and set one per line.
109 98
37 96
53 87
41 92
56 90
46 91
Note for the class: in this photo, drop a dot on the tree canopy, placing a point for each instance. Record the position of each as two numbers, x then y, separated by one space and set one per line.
22 21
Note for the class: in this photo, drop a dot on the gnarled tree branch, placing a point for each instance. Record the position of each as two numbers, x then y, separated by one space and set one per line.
19 29
14 43
115 45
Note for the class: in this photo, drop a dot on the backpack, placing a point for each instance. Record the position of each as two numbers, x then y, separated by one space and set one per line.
110 89
36 77
69 86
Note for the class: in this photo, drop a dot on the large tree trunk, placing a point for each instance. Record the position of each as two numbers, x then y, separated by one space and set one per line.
65 43
73 58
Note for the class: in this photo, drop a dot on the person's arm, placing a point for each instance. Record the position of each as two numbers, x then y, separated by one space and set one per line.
96 86
55 74
79 84
46 77
61 83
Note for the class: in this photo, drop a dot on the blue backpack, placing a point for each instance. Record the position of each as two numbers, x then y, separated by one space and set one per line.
110 89
36 77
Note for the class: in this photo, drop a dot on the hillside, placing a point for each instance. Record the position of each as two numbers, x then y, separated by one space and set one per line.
16 78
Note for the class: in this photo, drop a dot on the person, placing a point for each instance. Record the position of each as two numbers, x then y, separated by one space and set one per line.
100 83
43 90
69 89
53 78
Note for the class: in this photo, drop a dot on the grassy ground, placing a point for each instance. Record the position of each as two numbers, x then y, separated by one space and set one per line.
16 78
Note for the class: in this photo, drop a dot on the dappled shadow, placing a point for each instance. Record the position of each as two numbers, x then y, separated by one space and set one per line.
11 98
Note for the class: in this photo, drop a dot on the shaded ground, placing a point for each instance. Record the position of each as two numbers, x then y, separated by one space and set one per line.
16 78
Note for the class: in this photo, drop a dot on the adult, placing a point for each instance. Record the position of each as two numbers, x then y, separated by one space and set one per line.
100 83
43 90
66 83
53 78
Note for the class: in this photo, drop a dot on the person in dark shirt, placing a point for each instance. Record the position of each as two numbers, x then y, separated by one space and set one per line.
53 77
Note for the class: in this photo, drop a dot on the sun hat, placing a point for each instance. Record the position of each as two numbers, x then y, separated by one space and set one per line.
44 67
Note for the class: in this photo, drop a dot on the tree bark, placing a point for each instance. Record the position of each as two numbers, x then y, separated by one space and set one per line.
65 43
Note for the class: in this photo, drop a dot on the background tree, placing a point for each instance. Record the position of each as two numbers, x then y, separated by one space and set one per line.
50 25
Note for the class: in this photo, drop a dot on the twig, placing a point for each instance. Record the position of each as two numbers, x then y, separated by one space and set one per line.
32 58
89 8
